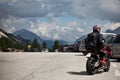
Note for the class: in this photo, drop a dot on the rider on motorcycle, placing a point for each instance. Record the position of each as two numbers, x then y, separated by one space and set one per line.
97 42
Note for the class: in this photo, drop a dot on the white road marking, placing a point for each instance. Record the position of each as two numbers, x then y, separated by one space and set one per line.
114 65
117 73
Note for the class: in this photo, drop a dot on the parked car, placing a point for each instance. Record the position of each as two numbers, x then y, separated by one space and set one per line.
78 43
70 48
114 43
106 36
34 50
67 48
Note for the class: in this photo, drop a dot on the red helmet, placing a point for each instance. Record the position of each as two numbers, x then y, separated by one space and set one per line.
96 28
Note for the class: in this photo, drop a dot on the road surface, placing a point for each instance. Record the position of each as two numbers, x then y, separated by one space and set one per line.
51 66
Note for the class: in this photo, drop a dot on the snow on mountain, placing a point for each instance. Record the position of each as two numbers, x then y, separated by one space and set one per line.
69 33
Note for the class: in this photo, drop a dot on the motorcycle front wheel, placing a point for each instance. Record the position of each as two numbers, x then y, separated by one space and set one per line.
90 66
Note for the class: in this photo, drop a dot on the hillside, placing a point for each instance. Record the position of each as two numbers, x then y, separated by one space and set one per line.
9 42
27 35
117 30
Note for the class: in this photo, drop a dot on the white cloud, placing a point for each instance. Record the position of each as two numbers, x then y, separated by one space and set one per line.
2 1
100 9
12 23
55 31
46 30
52 29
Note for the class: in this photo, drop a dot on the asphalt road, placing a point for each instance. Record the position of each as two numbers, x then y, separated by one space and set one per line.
51 66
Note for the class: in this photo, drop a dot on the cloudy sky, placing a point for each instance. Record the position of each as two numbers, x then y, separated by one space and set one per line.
59 19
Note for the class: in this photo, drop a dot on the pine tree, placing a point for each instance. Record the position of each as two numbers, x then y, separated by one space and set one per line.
44 45
3 45
56 45
36 45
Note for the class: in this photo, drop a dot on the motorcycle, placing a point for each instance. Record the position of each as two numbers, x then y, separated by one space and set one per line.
94 64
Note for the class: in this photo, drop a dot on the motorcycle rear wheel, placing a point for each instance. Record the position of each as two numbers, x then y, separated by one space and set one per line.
107 66
90 66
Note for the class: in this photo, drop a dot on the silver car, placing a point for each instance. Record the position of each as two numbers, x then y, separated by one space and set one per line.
115 46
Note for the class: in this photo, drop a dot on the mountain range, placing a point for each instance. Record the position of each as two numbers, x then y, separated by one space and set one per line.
25 34
117 30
